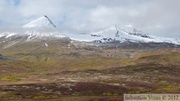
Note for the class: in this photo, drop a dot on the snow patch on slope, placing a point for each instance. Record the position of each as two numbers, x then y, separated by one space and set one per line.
46 44
40 35
10 35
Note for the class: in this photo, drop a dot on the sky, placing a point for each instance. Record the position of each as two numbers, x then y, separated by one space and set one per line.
157 17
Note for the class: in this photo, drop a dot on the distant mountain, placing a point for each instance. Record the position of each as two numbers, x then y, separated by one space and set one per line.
129 34
41 29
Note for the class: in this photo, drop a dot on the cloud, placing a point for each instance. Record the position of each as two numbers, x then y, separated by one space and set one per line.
159 17
8 12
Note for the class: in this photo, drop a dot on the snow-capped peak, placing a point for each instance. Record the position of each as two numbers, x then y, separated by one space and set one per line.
109 32
43 21
128 33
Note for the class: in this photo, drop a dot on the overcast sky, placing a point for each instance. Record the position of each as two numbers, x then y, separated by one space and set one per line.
158 17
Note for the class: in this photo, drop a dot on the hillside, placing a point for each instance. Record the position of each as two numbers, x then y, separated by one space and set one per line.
49 72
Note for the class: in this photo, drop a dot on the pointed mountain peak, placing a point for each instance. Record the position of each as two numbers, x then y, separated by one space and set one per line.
43 21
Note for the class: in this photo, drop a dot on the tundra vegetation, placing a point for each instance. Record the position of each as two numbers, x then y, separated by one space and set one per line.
32 72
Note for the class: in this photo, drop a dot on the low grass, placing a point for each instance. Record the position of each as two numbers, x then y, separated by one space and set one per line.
11 78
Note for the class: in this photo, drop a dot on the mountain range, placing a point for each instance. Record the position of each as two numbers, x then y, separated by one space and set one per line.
44 29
